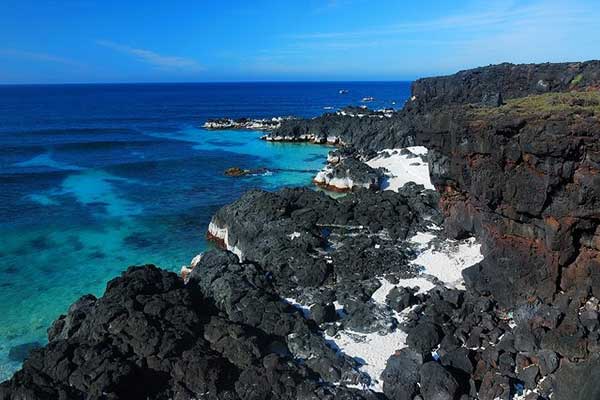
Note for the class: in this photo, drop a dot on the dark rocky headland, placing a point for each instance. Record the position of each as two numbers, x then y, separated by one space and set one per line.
514 155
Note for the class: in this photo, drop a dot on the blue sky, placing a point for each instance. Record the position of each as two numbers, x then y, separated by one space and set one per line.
240 40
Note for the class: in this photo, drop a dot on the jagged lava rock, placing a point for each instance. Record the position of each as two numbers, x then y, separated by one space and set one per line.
521 173
401 375
348 174
362 133
150 336
302 237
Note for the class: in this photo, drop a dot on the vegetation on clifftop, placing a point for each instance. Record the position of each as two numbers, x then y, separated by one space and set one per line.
587 103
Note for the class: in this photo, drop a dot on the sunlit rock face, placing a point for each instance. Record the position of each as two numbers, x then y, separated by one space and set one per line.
525 177
482 85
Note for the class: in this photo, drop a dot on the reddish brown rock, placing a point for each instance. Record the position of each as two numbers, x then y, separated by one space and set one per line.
525 178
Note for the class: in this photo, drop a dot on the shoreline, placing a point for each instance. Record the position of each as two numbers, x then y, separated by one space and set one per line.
314 290
359 344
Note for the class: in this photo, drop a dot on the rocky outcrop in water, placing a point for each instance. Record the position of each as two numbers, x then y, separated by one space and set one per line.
225 335
237 171
245 123
367 133
307 239
347 174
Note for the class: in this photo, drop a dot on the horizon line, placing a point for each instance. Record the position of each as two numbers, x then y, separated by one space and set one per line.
204 82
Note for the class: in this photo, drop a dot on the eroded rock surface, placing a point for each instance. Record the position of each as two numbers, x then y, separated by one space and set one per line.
306 239
151 336
483 85
348 174
525 177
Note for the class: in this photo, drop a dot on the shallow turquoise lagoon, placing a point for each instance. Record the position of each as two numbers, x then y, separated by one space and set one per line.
101 220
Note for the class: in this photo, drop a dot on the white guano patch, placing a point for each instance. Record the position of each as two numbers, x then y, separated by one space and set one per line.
402 168
371 350
294 235
445 261
186 270
305 310
325 177
223 234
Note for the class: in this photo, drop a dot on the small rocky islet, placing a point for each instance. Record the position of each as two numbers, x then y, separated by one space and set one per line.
302 280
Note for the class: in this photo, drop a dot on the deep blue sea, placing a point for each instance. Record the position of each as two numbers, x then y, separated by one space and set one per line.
94 178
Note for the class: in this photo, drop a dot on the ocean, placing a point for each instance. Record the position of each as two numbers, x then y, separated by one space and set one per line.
94 178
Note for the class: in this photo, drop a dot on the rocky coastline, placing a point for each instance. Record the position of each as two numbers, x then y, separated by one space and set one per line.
463 263
346 174
262 124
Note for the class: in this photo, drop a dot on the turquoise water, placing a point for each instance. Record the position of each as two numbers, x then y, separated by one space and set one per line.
94 178
124 231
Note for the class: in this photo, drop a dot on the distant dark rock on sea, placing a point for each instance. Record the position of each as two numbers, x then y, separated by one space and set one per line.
245 123
514 154
237 171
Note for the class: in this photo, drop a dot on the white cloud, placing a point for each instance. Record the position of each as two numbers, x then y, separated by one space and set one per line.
153 58
507 17
36 56
482 34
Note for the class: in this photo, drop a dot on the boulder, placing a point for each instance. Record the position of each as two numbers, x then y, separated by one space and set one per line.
401 375
437 383
424 337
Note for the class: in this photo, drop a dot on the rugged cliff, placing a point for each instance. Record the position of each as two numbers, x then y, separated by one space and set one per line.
490 84
525 178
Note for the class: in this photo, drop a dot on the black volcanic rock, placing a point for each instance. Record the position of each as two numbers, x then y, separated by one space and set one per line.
362 133
424 337
526 180
317 249
246 296
487 86
263 124
303 238
401 375
348 174
437 383
322 313
401 298
474 86
150 336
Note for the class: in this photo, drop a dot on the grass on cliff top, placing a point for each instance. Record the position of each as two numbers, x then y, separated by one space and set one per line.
548 103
